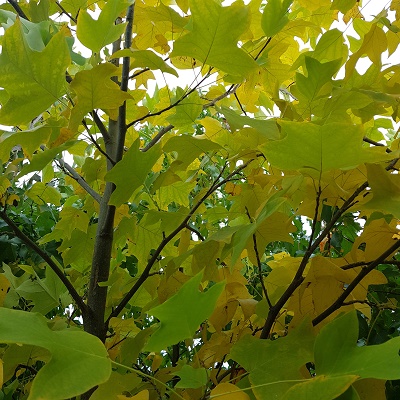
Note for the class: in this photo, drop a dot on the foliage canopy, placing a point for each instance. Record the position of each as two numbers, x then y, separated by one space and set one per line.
203 205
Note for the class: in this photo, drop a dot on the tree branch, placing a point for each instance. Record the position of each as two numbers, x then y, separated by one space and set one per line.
362 274
160 134
259 266
368 303
168 128
98 147
370 141
18 9
232 89
79 179
72 291
99 123
361 263
114 140
196 232
174 104
298 279
168 238
63 11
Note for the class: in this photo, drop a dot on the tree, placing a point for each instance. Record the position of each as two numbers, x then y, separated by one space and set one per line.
233 237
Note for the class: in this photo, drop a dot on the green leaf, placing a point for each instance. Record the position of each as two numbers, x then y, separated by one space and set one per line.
385 189
318 75
343 5
188 148
323 388
274 366
117 384
42 158
41 194
181 315
349 394
212 37
267 127
187 111
320 147
30 141
145 59
337 353
95 89
243 235
33 80
95 34
36 34
330 47
191 377
275 16
129 174
79 361
45 293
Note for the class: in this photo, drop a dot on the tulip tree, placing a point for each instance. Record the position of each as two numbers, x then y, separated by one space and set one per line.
199 200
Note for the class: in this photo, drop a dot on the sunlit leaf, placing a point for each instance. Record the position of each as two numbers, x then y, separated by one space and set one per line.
319 147
210 27
191 377
95 34
182 314
74 354
275 16
33 80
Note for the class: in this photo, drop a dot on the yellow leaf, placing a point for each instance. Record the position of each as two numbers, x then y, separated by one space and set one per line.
4 286
227 391
215 349
377 238
157 361
143 395
371 389
374 43
233 189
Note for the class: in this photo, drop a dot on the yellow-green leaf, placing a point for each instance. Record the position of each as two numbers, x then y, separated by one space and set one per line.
213 37
33 80
95 89
314 147
95 34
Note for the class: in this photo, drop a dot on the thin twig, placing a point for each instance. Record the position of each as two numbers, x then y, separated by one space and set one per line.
168 128
155 139
263 48
98 147
362 263
72 291
259 265
137 73
232 89
103 130
172 105
79 179
196 232
65 12
370 141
